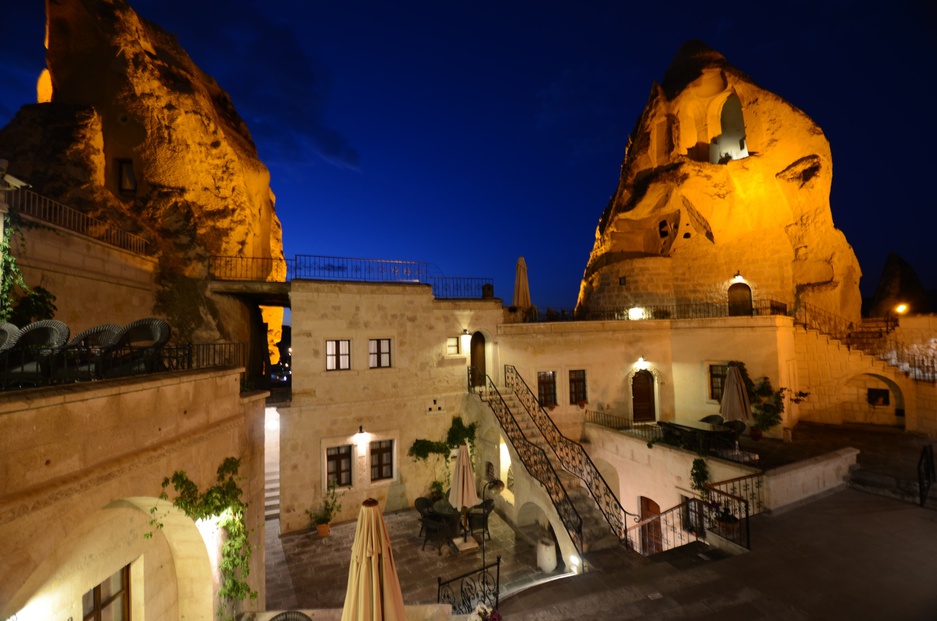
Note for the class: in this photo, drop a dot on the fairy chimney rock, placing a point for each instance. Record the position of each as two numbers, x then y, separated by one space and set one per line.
723 182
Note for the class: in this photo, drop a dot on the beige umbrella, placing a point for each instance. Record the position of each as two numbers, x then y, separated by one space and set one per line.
521 286
373 588
735 404
463 494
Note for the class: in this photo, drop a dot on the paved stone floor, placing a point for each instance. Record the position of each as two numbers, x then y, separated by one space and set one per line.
307 571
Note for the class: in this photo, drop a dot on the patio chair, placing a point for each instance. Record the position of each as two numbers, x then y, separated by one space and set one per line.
291 615
31 356
438 531
712 419
425 508
81 357
478 517
136 348
7 332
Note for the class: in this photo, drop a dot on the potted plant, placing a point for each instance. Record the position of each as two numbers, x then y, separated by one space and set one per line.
546 549
321 517
767 407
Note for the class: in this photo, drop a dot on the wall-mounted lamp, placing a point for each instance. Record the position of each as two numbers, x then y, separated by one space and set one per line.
361 441
738 277
642 364
901 308
466 332
360 428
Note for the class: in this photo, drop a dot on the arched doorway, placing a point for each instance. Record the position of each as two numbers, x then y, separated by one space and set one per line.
642 397
477 349
651 538
740 300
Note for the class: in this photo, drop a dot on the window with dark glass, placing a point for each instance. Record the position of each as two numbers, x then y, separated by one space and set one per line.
546 388
110 600
337 355
379 353
717 380
382 460
338 465
453 346
577 386
126 181
878 396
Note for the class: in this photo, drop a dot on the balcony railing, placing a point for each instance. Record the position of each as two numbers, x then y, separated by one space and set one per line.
698 310
314 267
28 203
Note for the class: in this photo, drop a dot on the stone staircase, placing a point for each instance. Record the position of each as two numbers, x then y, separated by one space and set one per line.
869 336
272 492
596 533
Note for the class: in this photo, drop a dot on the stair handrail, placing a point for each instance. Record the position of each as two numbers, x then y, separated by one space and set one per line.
749 487
535 460
925 472
573 457
689 512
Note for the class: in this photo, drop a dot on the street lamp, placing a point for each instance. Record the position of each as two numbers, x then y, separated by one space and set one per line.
496 486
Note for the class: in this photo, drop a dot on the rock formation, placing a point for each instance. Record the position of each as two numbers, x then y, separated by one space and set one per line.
130 130
723 182
899 284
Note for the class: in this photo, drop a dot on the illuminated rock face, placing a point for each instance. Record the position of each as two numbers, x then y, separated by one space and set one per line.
134 132
721 178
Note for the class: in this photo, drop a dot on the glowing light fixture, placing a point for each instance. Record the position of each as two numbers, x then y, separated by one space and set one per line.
466 332
636 312
901 308
361 440
738 277
642 364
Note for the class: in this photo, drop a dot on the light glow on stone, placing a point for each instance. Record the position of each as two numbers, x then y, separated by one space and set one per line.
636 312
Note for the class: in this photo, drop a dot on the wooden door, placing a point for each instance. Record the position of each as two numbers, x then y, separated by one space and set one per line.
478 359
642 397
740 300
651 538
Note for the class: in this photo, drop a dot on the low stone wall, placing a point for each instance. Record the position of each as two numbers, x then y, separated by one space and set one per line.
791 485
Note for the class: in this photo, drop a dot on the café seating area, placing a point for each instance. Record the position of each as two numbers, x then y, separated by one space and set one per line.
440 522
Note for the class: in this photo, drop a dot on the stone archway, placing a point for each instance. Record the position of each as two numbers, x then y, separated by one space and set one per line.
872 399
170 572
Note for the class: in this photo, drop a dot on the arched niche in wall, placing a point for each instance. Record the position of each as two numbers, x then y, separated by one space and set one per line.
730 142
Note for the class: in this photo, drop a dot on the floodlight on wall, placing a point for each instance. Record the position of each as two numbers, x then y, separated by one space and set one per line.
361 441
466 332
901 309
738 277
642 364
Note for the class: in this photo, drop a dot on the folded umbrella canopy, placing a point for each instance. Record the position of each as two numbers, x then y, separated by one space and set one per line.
463 493
735 404
521 286
373 587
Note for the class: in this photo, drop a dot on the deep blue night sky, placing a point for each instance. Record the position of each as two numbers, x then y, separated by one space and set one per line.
468 134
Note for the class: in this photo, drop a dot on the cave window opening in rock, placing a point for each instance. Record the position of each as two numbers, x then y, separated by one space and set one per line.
730 143
623 280
662 229
126 181
740 300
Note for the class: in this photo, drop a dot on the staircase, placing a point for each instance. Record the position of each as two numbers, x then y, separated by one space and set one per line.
596 534
272 494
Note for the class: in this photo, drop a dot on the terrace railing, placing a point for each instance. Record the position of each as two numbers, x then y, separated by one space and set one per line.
572 455
650 432
699 310
751 488
676 527
464 593
533 457
315 267
728 515
29 203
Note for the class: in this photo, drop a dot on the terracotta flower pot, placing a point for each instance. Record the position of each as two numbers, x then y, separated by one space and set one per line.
323 530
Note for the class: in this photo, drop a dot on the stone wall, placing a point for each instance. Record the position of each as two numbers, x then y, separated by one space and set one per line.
82 466
796 483
416 397
86 276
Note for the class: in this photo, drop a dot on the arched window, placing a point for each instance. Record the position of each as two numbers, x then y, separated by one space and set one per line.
740 300
730 143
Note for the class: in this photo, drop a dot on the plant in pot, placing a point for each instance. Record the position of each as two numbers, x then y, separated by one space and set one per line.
546 549
321 517
767 407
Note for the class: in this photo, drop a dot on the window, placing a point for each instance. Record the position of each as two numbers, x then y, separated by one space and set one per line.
577 387
109 600
546 388
877 396
453 346
379 353
337 355
382 460
338 465
126 181
717 380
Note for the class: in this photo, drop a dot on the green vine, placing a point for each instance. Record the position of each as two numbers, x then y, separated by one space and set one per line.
223 502
10 274
699 477
423 450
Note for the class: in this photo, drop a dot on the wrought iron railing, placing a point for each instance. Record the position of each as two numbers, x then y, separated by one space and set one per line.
571 455
29 203
203 356
823 321
533 457
750 487
464 593
728 515
314 267
676 527
696 310
925 472
650 432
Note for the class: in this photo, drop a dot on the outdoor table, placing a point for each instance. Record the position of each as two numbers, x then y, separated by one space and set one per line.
697 434
452 516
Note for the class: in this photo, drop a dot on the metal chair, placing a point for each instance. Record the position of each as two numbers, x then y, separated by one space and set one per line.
712 419
81 357
30 357
291 615
136 349
424 506
478 517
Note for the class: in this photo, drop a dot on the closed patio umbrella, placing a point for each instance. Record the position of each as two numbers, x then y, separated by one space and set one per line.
521 286
462 494
373 587
735 404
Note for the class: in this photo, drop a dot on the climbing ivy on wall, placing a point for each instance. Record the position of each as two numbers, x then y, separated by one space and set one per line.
10 275
222 502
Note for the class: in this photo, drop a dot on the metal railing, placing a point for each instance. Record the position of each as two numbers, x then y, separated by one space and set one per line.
751 488
925 472
675 527
698 310
464 593
533 457
650 432
315 267
28 203
571 455
728 515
